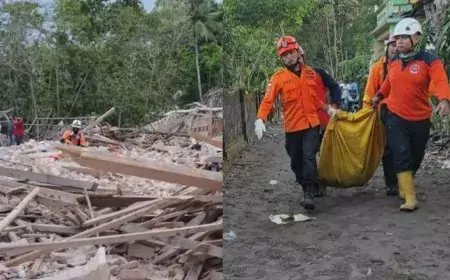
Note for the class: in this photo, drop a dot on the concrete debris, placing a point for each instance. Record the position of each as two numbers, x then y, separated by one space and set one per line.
152 199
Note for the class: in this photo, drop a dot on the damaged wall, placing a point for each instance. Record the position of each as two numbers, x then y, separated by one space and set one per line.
240 111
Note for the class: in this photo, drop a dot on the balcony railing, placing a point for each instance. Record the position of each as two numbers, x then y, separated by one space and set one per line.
392 11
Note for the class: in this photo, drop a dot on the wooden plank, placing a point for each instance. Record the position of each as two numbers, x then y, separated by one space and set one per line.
112 239
195 271
169 250
54 228
8 229
117 268
13 236
45 178
162 218
172 173
37 264
19 208
101 200
103 139
68 197
110 225
117 214
178 242
190 244
83 217
99 120
11 191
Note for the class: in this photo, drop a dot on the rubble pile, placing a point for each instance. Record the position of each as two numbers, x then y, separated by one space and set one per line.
135 204
438 152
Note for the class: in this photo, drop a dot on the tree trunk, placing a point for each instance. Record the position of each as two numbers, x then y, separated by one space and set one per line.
197 63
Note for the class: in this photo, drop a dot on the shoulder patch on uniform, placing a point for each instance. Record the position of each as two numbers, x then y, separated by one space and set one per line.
426 57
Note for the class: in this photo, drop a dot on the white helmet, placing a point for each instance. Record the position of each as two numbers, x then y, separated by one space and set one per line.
407 26
76 123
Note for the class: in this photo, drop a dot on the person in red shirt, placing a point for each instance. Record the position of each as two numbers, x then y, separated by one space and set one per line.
408 107
19 130
296 86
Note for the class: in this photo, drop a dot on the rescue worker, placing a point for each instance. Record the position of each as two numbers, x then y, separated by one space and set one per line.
377 75
74 136
408 108
324 82
378 72
296 86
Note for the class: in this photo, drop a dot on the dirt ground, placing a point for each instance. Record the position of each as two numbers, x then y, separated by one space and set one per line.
359 233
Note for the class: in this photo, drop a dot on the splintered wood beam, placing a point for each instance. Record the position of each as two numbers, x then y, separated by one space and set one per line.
100 119
46 178
172 173
19 208
111 239
92 231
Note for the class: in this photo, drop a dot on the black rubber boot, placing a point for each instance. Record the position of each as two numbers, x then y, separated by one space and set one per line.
392 190
308 202
320 190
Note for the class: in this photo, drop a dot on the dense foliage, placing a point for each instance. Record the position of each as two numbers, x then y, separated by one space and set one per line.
334 34
81 57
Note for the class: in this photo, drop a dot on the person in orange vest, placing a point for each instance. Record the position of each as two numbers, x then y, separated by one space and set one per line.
406 89
74 136
377 74
296 86
324 82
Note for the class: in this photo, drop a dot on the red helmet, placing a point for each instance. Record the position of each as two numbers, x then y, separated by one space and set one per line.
285 44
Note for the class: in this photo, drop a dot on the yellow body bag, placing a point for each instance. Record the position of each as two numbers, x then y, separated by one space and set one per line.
351 149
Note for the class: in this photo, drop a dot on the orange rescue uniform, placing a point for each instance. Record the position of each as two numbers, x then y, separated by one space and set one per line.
298 97
407 86
74 139
374 82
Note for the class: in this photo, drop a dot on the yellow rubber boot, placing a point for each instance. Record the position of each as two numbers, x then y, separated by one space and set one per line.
401 192
406 187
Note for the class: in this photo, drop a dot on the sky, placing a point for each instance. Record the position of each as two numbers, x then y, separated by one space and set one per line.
148 4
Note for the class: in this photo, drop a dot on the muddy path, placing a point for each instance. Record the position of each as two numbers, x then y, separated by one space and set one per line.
359 233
